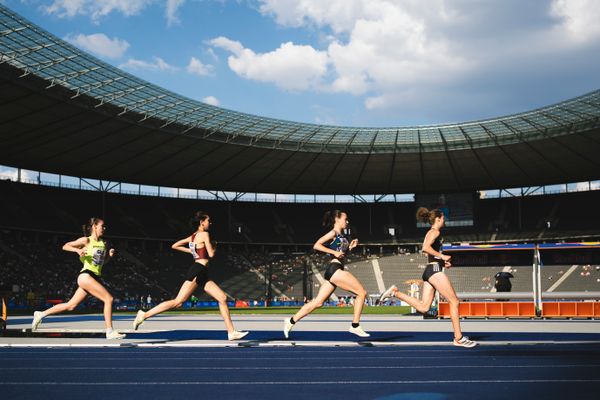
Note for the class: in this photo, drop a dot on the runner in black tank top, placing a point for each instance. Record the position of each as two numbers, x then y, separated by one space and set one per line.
336 245
433 277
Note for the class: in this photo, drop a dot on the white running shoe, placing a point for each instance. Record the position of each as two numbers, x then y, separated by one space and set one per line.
388 293
37 320
114 335
287 327
464 342
358 331
139 320
236 335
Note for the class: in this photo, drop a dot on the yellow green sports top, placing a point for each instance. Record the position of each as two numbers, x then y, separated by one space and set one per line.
94 257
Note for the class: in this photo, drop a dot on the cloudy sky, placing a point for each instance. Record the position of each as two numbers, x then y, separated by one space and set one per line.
344 62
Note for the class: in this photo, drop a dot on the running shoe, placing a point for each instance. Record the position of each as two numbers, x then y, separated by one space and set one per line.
388 293
358 331
37 320
139 320
464 342
236 335
287 327
114 335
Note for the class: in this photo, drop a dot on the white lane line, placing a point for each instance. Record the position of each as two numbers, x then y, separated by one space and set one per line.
349 357
230 383
292 344
266 350
346 367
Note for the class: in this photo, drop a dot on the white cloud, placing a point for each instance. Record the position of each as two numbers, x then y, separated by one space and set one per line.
158 64
96 9
579 18
378 46
386 50
212 54
227 44
196 67
171 11
100 44
212 100
291 67
340 15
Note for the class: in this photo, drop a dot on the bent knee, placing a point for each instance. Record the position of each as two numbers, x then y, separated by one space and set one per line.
422 309
177 304
454 301
318 303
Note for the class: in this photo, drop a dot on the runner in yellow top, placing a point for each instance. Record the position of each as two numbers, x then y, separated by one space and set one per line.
93 254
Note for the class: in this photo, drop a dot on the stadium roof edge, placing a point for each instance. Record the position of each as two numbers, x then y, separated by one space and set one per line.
32 50
64 111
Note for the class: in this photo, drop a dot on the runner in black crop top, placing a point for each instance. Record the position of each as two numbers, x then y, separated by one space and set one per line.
433 276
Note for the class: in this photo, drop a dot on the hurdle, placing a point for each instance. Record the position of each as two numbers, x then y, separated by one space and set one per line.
535 303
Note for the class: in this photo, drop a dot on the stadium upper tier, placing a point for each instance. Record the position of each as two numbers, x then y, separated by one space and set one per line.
41 72
35 51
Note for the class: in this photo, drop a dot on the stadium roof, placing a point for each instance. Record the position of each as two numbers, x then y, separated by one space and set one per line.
64 111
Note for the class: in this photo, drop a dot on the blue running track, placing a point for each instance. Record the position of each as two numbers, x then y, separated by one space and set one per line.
557 371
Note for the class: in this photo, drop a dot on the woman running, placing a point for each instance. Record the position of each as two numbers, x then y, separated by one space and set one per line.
93 254
336 245
433 277
201 249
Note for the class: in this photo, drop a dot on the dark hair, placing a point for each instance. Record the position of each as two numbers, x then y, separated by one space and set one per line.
198 217
87 227
425 215
330 216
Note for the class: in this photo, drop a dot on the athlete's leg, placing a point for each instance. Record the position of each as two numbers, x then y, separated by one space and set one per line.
346 281
77 298
215 291
443 285
326 289
422 305
185 292
95 288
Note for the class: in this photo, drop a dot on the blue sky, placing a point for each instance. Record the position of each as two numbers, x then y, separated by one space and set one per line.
344 62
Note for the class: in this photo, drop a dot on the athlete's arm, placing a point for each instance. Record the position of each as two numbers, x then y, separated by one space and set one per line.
319 245
428 241
77 246
109 256
182 245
